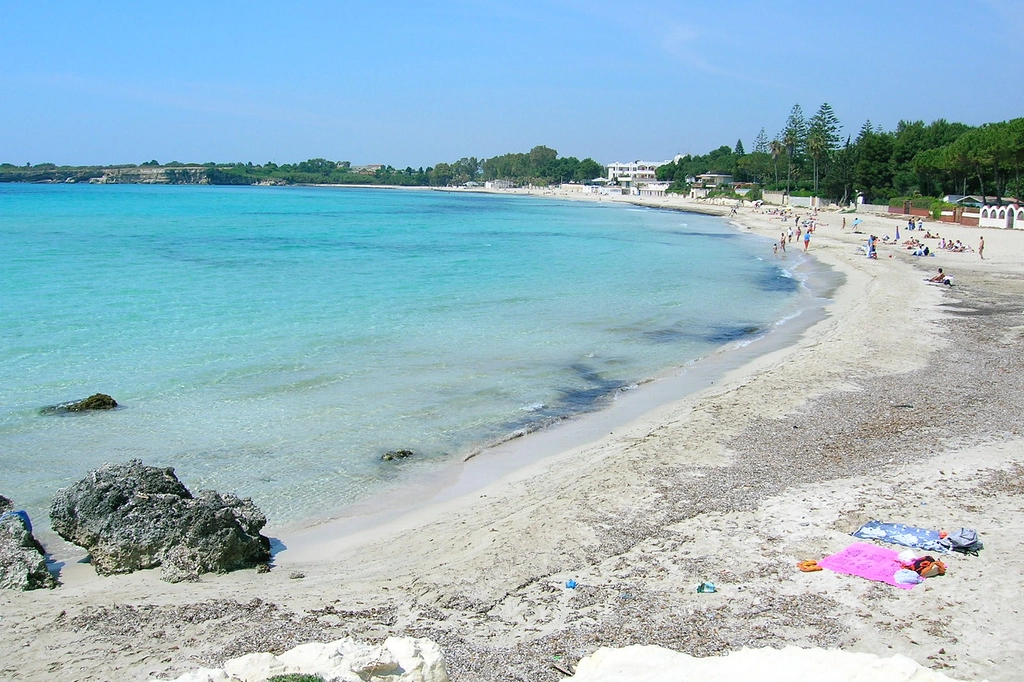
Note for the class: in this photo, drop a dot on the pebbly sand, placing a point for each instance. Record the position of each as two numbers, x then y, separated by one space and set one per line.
902 405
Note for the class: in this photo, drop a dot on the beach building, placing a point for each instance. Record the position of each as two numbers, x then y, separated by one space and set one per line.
702 185
651 189
498 184
639 178
1006 217
577 188
964 200
630 174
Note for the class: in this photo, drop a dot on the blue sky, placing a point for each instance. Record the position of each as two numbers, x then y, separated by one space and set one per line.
414 83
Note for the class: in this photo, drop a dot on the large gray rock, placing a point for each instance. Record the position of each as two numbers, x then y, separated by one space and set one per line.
131 516
22 558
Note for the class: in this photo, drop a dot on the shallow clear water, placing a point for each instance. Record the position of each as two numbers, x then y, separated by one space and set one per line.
274 342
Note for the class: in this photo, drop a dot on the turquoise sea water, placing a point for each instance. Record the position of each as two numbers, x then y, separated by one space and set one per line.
274 342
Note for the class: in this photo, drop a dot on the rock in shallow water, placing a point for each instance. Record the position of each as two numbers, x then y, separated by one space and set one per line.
131 516
22 558
97 401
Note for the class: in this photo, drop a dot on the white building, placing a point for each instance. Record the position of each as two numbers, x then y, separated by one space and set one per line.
629 174
1011 216
702 185
652 189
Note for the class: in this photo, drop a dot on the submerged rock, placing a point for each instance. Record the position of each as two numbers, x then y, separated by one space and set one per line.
22 558
396 454
97 401
132 516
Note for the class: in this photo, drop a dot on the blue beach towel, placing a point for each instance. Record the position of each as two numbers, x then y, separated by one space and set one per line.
902 534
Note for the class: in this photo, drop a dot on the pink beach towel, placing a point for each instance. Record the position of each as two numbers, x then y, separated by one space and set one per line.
867 561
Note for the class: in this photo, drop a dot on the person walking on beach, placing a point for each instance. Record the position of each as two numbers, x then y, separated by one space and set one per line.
807 239
981 247
782 242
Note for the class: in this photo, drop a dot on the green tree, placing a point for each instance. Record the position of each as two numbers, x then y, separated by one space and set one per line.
589 170
738 149
822 137
756 167
442 175
794 138
540 157
873 170
839 178
775 149
761 143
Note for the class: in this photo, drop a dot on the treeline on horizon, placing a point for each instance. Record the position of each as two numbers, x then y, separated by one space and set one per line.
540 166
809 157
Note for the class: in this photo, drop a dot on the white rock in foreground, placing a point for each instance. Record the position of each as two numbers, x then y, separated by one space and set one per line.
399 659
655 664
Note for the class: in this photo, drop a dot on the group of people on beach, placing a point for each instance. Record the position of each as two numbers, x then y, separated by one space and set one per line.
802 233
955 246
911 225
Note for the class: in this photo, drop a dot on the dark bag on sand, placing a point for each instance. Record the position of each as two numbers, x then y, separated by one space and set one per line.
965 541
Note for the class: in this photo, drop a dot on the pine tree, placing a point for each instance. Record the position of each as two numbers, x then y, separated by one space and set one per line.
825 124
865 130
794 138
822 137
761 143
738 150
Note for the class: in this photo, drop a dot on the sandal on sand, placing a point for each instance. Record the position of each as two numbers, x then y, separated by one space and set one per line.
808 566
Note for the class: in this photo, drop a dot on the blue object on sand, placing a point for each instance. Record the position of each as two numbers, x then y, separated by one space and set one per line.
23 515
902 534
571 584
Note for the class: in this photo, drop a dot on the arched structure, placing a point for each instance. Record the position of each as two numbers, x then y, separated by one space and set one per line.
1005 217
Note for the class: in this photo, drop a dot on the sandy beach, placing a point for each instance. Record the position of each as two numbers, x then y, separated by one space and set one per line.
902 405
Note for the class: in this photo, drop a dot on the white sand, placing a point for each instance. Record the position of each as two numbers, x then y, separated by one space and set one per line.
484 572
